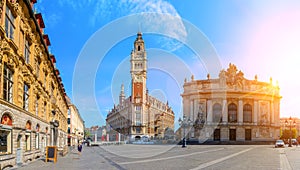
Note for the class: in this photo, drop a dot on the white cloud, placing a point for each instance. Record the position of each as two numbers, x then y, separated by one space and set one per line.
103 11
110 10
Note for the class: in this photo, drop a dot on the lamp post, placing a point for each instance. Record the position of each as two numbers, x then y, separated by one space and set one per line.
184 123
290 123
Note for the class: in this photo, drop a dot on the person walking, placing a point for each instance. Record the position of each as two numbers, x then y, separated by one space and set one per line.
79 148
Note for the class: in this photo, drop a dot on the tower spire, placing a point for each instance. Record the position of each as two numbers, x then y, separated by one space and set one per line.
138 68
122 95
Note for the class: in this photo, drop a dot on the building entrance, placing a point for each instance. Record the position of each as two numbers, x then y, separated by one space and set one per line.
248 134
217 135
232 134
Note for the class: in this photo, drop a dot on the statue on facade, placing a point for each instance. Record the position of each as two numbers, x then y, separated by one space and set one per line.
222 77
264 114
231 77
200 120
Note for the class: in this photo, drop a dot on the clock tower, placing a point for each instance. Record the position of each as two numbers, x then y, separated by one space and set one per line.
138 70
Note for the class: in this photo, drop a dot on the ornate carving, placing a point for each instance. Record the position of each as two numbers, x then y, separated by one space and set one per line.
208 76
4 45
231 77
264 132
1 8
264 114
222 77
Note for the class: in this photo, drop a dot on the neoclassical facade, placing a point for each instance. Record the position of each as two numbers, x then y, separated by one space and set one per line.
140 114
33 108
231 108
75 125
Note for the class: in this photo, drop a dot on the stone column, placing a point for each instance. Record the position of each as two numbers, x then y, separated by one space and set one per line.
186 104
196 110
240 111
272 113
191 116
255 112
209 111
224 111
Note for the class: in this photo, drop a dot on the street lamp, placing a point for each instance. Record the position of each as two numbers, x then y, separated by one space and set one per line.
290 123
184 123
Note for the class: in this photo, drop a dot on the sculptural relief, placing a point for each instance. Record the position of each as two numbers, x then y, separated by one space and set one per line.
231 77
264 113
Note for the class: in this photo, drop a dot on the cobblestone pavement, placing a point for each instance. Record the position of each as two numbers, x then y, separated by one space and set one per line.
174 157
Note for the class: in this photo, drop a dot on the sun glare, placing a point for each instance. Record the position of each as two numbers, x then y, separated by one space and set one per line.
273 50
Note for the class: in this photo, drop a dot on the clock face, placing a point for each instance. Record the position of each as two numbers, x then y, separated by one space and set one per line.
138 78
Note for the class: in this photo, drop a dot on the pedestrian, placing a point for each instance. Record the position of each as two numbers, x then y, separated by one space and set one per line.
79 148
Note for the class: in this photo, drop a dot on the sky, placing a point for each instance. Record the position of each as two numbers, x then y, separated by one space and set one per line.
92 41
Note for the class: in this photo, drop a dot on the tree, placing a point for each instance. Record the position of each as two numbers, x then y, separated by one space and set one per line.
285 134
87 133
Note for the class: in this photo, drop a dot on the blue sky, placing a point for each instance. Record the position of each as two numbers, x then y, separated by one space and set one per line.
92 41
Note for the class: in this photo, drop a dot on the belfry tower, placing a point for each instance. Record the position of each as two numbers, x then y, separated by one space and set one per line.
138 70
141 115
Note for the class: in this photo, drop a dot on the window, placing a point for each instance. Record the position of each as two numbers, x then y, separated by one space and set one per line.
217 113
27 52
26 97
247 113
138 130
7 84
232 113
37 105
137 108
27 141
138 119
69 121
9 23
45 106
37 68
6 135
5 141
45 79
37 141
69 130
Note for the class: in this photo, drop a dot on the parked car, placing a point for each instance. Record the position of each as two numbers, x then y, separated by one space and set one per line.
295 142
279 143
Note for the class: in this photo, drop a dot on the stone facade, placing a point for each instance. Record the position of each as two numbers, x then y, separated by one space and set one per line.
140 114
33 108
75 125
232 108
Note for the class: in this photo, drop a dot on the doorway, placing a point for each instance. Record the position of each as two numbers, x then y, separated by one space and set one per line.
217 135
19 150
232 134
247 134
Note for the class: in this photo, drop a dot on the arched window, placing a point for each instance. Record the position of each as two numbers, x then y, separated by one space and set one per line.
6 135
28 136
232 113
6 120
247 113
139 48
217 113
28 125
